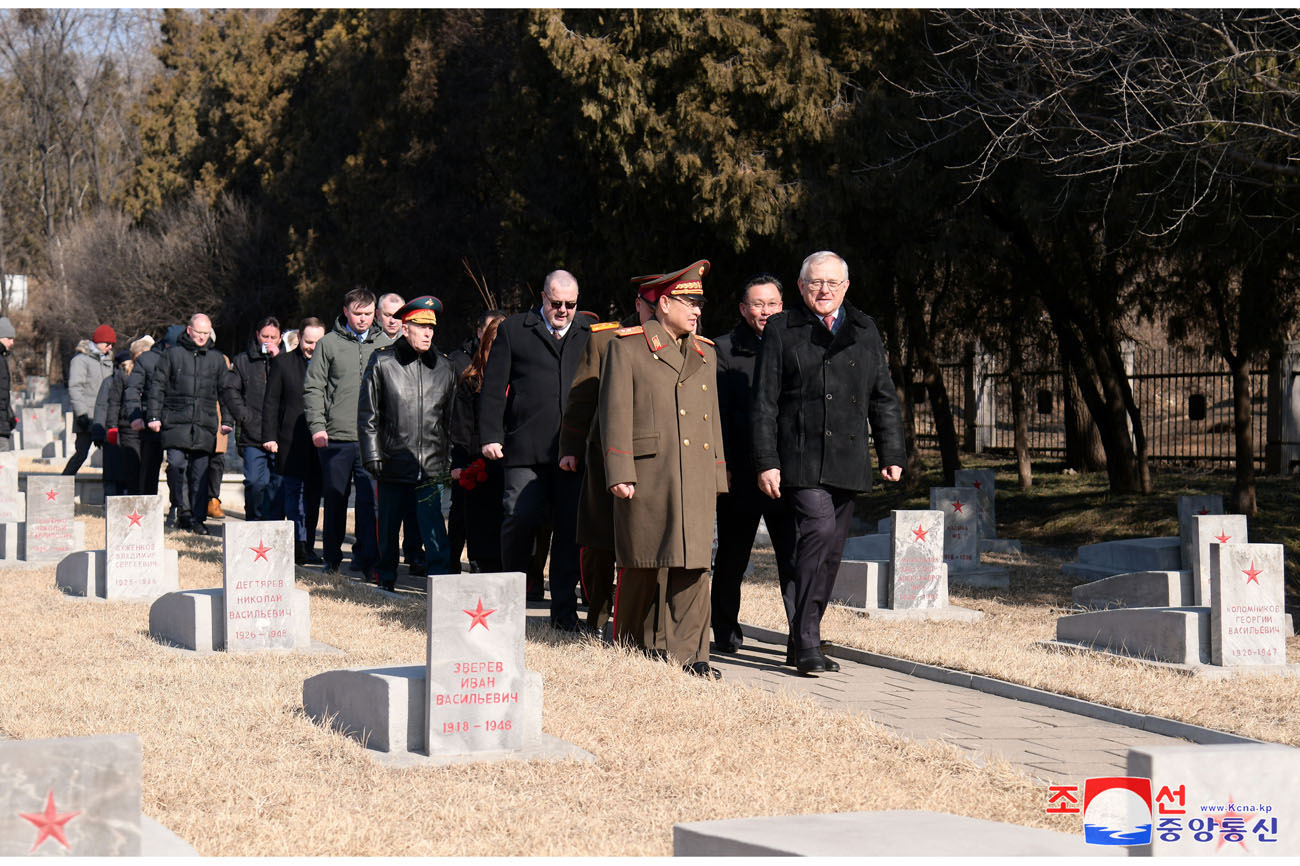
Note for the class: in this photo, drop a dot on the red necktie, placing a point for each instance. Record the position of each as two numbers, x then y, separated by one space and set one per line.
829 319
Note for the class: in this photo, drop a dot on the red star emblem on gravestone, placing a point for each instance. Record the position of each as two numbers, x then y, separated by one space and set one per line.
1203 510
1232 813
479 616
134 517
51 496
919 533
956 507
50 823
977 484
260 550
1222 537
1252 573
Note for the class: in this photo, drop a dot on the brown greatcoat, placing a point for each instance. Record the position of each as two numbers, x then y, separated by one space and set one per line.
660 427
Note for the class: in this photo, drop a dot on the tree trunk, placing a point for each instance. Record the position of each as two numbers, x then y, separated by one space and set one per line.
1020 415
1243 488
932 376
968 407
1083 451
1273 426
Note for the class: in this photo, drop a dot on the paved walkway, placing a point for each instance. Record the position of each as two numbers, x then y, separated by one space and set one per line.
1052 745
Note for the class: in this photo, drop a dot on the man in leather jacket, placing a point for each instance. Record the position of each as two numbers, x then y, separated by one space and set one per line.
403 417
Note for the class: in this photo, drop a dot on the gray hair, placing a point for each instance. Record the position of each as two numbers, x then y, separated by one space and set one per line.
818 257
386 296
558 276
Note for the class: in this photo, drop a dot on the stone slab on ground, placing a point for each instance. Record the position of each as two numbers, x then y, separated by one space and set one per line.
1004 546
861 584
1136 589
1200 671
1131 554
874 834
1246 776
947 613
384 710
867 548
1170 634
84 574
982 576
194 619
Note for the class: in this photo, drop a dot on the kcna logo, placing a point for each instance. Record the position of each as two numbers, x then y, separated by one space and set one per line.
1116 809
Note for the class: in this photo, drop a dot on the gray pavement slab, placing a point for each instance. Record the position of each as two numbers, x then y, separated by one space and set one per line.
1051 744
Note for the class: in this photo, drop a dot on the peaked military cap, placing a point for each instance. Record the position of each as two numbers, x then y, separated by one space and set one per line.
423 310
687 281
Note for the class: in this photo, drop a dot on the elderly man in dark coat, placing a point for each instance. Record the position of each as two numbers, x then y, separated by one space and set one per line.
285 421
821 388
183 394
665 464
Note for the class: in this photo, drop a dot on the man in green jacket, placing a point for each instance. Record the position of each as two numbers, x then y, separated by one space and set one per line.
330 395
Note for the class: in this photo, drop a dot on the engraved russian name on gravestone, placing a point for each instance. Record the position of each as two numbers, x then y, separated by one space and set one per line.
960 508
1207 530
135 549
13 507
1188 508
47 533
258 585
1247 617
479 697
70 797
918 576
985 484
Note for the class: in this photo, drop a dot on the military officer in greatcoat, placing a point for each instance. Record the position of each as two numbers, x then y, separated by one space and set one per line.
665 465
579 436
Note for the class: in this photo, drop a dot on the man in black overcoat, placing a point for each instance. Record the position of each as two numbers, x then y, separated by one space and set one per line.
522 402
821 387
295 455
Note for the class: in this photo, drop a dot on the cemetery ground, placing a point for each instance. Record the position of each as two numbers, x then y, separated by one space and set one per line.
1059 513
234 767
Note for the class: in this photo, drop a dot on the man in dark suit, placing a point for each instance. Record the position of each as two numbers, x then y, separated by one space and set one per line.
741 507
524 389
295 455
821 377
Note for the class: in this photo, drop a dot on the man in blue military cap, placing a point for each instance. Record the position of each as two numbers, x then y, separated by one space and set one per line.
403 417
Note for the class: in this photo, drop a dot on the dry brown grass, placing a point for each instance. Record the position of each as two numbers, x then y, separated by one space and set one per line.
1002 645
233 766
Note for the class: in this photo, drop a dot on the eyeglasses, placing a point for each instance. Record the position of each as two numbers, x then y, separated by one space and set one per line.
760 306
830 284
690 300
567 305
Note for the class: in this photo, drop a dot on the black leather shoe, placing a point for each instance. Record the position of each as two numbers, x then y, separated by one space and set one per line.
703 669
832 666
331 568
184 523
310 557
390 585
726 648
202 529
567 626
811 662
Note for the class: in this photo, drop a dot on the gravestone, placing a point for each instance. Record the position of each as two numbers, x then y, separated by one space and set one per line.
77 797
1216 800
985 484
13 504
1247 625
38 390
960 508
479 696
1207 530
137 563
1190 507
47 534
919 578
258 585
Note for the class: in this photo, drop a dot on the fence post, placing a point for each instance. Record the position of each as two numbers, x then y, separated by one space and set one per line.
1290 404
968 400
1128 351
986 407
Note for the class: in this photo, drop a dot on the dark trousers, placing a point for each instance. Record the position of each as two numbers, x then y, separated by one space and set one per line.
413 535
822 518
738 516
261 485
396 501
128 450
151 459
187 476
216 471
531 494
302 506
340 467
664 604
82 450
456 529
597 584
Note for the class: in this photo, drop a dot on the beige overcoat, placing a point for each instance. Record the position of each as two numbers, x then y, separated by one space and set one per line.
660 429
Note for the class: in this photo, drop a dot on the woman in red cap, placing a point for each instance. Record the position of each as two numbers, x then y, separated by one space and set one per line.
90 366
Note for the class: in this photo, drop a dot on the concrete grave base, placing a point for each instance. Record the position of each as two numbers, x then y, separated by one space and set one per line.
867 834
947 613
1179 635
872 548
383 709
862 584
192 620
157 841
1005 546
981 576
1106 558
1138 589
1201 671
82 575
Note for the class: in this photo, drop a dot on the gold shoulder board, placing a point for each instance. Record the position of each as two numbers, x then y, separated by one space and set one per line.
627 332
603 326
